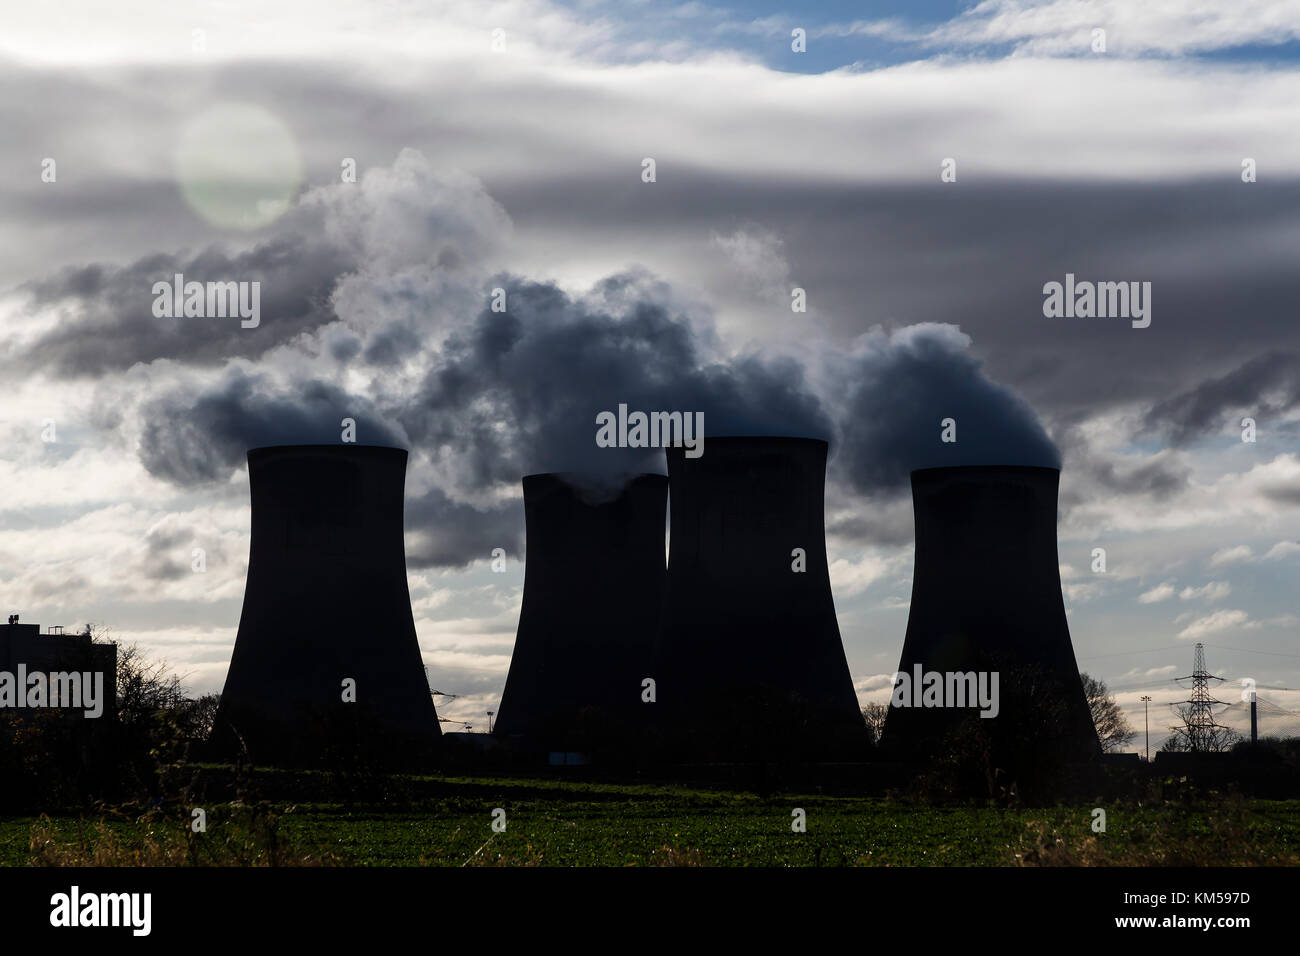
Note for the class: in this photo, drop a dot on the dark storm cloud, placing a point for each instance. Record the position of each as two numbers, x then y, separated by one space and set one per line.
1287 495
343 344
1265 385
448 533
53 586
899 391
976 253
109 325
191 439
878 524
516 392
164 548
519 391
387 347
1093 474
195 438
1155 479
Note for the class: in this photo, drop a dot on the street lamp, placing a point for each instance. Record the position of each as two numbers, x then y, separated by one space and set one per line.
1146 713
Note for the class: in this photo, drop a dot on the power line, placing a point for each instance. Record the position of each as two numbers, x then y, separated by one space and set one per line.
1176 647
1149 650
1258 686
1143 685
1244 650
1271 708
1274 708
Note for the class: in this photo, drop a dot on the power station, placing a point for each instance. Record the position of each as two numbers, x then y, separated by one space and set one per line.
593 591
731 653
751 664
986 598
326 656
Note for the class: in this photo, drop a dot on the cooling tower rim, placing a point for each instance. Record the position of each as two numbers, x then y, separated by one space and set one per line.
757 441
592 491
568 476
338 451
1026 470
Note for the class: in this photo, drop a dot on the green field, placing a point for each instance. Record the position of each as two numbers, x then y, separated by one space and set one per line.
558 823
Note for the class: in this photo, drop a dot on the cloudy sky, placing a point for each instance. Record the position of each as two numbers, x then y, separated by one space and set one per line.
503 145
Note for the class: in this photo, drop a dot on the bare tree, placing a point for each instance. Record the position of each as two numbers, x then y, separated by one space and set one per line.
145 687
200 713
1187 737
1112 727
874 715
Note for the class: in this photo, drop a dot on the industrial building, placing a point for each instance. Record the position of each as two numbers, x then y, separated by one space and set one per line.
986 598
593 591
24 649
326 664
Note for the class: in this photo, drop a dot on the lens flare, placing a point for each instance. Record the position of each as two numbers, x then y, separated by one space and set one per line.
238 166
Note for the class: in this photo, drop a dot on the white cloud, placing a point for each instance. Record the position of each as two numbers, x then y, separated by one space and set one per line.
756 254
874 682
1244 553
1241 552
1161 592
874 688
441 663
1214 591
1213 623
1282 620
1082 592
1144 673
1281 550
1065 27
1203 506
853 577
548 30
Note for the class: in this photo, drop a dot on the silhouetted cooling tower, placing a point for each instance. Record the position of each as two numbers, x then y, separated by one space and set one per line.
751 662
986 596
593 591
326 601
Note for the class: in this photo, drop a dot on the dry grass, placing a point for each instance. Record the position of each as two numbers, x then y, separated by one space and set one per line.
677 856
1224 832
241 836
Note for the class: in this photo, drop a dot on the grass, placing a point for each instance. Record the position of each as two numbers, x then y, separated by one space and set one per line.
564 823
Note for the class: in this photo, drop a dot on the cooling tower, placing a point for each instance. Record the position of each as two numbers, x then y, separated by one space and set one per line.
751 662
593 591
986 596
326 603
